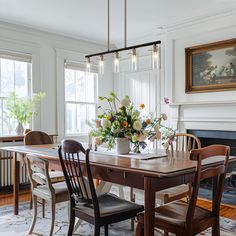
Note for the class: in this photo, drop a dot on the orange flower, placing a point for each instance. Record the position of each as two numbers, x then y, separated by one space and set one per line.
125 123
142 106
148 121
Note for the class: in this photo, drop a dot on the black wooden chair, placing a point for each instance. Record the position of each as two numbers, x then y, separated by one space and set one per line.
84 203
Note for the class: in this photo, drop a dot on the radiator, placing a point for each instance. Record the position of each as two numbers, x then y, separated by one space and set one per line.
6 169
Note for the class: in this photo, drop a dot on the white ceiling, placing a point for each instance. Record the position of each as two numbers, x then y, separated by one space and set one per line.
87 19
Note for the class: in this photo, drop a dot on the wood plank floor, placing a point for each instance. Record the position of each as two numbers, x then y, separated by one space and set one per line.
227 211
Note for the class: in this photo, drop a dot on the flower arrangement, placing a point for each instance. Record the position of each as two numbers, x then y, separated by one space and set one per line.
23 109
123 120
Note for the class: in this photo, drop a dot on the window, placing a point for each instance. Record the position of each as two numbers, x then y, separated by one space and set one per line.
80 98
15 75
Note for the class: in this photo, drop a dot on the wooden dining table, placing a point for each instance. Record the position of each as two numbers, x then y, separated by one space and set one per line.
150 175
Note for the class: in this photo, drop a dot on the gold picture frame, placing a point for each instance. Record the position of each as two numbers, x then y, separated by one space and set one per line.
211 67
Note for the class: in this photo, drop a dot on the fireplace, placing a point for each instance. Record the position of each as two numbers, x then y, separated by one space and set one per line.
209 137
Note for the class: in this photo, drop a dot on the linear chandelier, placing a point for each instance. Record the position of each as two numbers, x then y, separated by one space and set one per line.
116 52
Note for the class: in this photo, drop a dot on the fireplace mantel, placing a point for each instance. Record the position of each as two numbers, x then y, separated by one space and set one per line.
203 115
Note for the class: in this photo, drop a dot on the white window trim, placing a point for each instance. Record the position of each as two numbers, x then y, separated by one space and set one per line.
25 48
61 57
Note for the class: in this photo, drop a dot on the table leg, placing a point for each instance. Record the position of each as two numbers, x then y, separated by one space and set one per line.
16 182
149 207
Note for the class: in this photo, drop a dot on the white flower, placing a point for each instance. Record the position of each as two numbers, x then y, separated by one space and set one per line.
137 125
105 123
125 101
135 114
135 138
164 116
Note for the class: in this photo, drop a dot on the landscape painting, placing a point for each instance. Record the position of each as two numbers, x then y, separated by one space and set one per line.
211 67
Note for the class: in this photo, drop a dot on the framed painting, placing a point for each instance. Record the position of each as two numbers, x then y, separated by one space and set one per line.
211 67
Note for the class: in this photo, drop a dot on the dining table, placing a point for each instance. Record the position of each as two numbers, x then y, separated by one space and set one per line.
151 172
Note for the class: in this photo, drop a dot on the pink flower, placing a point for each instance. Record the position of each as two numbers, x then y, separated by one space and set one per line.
166 100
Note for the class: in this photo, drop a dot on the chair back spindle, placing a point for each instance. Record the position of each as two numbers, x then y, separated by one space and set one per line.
70 153
185 142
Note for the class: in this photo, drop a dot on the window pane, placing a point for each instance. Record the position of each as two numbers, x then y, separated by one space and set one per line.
80 86
71 118
91 114
81 118
21 76
70 89
90 87
7 77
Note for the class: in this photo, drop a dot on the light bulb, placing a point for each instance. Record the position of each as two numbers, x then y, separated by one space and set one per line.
116 63
88 65
101 65
155 57
134 60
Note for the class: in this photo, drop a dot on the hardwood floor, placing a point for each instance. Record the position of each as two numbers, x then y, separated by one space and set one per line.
227 211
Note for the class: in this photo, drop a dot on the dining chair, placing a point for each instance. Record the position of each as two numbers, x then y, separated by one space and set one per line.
182 142
38 138
185 218
42 187
99 210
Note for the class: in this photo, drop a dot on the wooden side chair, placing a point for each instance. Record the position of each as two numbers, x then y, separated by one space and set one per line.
42 187
182 218
99 210
38 138
182 142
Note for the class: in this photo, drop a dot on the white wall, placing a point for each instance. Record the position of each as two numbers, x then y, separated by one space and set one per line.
46 74
209 110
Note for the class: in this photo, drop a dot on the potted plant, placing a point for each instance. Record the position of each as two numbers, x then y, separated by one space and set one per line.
122 123
22 109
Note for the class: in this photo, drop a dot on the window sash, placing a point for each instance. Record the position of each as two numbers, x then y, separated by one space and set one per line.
8 125
77 66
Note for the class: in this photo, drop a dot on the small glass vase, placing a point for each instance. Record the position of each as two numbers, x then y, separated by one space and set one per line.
19 129
122 145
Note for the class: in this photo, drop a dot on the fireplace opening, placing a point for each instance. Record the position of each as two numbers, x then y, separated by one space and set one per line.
210 137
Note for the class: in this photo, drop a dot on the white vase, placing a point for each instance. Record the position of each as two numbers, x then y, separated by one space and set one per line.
19 129
122 145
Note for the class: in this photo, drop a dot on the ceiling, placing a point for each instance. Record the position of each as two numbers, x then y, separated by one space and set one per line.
87 19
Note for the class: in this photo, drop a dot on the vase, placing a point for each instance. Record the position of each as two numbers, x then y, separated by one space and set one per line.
122 145
19 129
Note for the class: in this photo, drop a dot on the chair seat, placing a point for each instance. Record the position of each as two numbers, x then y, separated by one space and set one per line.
169 194
56 176
175 214
110 204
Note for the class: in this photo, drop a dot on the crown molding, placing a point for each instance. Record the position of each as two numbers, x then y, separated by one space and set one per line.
204 18
49 35
160 32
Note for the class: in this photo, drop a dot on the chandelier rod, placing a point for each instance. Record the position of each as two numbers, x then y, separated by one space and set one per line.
108 25
125 22
124 48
